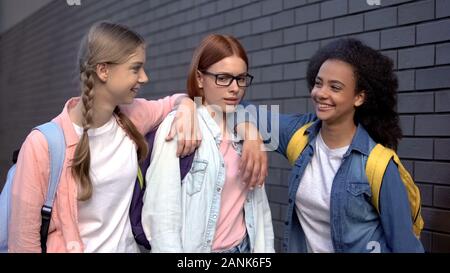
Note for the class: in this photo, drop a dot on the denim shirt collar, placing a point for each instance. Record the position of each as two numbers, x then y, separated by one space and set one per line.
360 141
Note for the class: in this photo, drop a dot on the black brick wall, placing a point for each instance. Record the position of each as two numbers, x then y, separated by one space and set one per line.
37 70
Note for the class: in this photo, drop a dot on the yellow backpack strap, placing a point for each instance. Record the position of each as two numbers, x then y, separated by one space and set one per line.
140 178
297 143
376 167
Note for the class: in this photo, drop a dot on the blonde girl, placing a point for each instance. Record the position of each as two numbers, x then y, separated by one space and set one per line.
103 130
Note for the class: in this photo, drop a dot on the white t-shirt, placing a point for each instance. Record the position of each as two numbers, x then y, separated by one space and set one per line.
103 220
312 203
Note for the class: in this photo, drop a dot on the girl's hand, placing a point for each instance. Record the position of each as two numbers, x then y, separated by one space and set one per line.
185 126
254 157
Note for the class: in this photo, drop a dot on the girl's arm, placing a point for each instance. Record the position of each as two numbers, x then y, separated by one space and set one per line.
148 114
257 125
275 128
161 213
395 213
30 180
254 163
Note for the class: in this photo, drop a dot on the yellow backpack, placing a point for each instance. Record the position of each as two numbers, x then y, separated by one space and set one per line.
376 166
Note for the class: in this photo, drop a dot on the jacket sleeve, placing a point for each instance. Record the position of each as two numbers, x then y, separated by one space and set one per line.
288 125
27 197
148 114
161 213
276 129
395 213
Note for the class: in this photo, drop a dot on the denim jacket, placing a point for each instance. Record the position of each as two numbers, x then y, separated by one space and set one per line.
181 216
355 224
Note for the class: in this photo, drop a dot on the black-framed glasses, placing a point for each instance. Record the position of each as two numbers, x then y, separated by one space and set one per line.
223 79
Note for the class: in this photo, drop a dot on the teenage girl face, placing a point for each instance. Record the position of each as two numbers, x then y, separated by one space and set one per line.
224 98
334 94
124 80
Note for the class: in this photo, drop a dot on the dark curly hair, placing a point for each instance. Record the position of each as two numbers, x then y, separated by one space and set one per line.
373 73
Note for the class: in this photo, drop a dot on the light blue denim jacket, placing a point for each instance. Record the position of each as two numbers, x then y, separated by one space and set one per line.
182 217
355 224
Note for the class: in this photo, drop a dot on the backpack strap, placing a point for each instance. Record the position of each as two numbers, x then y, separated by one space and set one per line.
185 167
185 162
297 143
140 178
56 147
376 167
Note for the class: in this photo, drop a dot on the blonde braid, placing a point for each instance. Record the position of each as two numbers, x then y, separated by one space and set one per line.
82 158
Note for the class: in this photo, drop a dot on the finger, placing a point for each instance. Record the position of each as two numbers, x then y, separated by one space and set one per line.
172 132
186 148
193 146
196 134
188 128
193 137
264 171
180 143
248 170
244 159
255 173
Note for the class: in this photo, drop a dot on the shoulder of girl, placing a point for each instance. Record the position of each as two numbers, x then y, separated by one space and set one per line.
35 137
34 145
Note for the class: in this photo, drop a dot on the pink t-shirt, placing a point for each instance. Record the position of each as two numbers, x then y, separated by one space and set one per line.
230 229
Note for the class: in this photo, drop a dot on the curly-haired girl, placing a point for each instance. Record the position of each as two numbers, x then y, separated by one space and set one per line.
353 89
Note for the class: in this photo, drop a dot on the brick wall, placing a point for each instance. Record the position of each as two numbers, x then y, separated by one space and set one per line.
37 70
